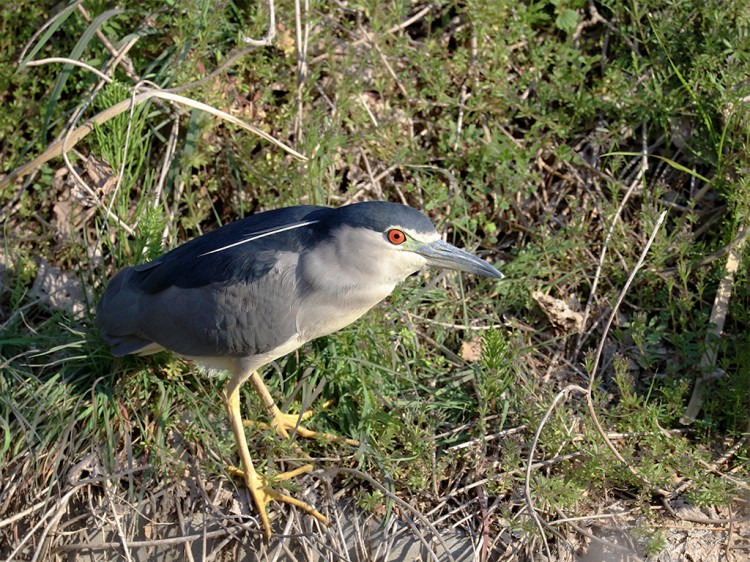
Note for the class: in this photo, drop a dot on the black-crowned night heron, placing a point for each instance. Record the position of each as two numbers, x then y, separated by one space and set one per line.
250 292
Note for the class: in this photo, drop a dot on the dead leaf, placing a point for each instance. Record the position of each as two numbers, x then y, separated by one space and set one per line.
59 289
63 221
561 314
471 350
285 41
99 177
4 272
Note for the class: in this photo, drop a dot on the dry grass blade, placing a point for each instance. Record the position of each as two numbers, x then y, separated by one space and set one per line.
46 31
166 95
401 503
707 367
40 62
562 395
588 393
56 149
610 231
600 349
133 545
270 34
76 54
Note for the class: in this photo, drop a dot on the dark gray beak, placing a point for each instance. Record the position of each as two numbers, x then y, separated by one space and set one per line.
446 256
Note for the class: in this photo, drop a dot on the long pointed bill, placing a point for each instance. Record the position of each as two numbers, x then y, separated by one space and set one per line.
446 256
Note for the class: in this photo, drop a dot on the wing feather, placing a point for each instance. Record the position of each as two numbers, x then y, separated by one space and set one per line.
211 296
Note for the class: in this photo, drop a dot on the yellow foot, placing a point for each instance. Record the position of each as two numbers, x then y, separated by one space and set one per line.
262 493
286 423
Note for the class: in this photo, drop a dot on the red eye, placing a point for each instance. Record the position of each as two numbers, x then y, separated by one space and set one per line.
396 236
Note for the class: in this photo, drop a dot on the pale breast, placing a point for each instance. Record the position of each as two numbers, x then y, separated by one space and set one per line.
322 314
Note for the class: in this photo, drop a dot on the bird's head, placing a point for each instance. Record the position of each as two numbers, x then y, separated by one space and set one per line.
387 242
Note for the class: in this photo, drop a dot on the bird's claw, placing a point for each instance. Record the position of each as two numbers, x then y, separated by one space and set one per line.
263 493
284 424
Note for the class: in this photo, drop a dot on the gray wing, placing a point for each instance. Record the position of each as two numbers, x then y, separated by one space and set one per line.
212 296
240 317
219 319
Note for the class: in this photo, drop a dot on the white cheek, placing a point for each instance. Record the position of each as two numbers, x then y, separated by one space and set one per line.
402 264
341 285
360 259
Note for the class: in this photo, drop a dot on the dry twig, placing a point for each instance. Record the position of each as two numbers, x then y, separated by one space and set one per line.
707 368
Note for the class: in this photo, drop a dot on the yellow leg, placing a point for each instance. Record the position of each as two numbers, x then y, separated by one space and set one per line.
258 485
284 423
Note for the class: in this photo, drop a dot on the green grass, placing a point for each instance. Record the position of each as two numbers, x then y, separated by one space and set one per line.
519 129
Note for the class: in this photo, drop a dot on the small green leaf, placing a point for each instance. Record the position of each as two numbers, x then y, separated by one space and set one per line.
567 20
